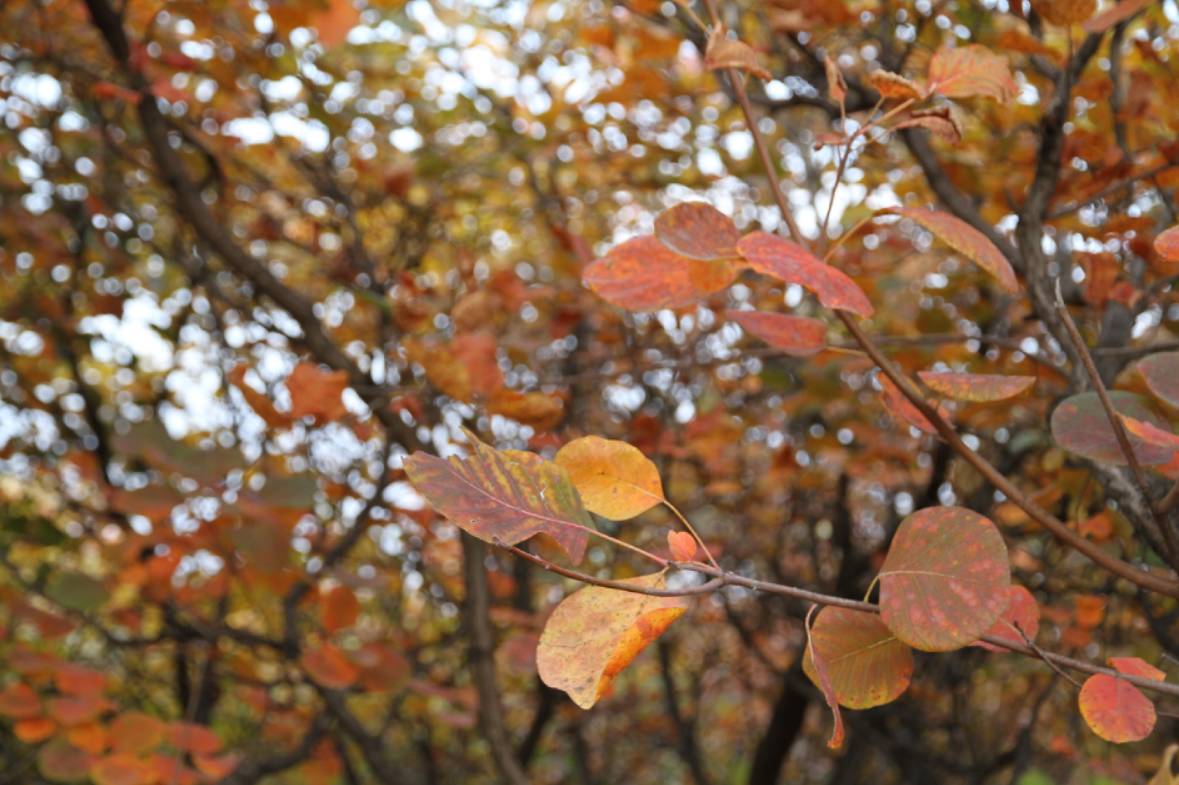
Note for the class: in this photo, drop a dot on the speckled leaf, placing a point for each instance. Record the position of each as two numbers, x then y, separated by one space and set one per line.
503 497
643 274
822 679
1079 425
1115 709
1023 611
614 479
791 263
964 239
797 336
969 71
596 632
1136 666
945 579
1161 374
698 231
868 666
976 387
901 408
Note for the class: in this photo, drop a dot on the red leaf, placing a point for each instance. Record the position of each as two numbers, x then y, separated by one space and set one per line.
316 392
792 263
945 579
121 769
338 608
643 274
19 701
797 336
34 729
975 387
59 761
1023 611
503 497
1151 434
329 667
134 732
1115 709
820 676
698 231
190 737
1161 373
968 71
964 239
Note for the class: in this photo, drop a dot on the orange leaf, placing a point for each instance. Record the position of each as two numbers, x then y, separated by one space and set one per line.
594 633
1136 666
543 412
1065 12
866 664
796 336
1115 709
698 231
34 729
818 674
134 732
945 580
976 387
92 737
121 769
614 479
329 667
791 263
338 608
682 546
190 737
79 709
1080 425
968 71
891 85
60 761
643 274
1114 14
1023 611
19 701
900 407
964 239
79 680
316 392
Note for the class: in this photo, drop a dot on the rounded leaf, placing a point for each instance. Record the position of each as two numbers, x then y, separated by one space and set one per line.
791 263
643 274
1166 244
1161 373
1136 666
614 479
596 632
60 761
194 738
968 71
945 580
682 546
329 667
1115 709
1080 425
976 387
797 336
698 231
865 662
134 732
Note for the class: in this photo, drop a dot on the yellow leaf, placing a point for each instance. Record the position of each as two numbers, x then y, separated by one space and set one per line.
614 479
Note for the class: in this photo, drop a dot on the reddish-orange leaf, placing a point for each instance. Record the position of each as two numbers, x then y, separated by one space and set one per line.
79 680
333 23
92 737
540 410
1080 425
614 479
1136 666
120 769
19 701
1161 373
34 729
891 85
698 230
682 546
1065 12
866 663
1151 434
643 274
258 401
968 71
329 666
60 761
1022 611
1115 709
78 709
1114 14
791 263
976 387
945 580
338 608
134 732
170 770
194 738
596 632
725 52
797 336
316 392
900 407
216 767
503 498
381 668
818 674
964 239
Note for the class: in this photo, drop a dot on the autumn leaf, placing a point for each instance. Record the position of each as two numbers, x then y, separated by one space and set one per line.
964 239
682 546
975 387
193 737
867 665
1160 371
338 608
938 120
945 579
1065 12
60 761
724 52
1118 12
594 633
19 701
817 672
698 231
540 410
969 71
34 729
135 733
836 85
797 336
1022 612
614 479
1149 433
316 392
501 498
1079 425
901 408
891 85
643 274
1136 666
1115 709
121 769
791 263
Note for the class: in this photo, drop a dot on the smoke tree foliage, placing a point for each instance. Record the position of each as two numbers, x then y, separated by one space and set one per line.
541 391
